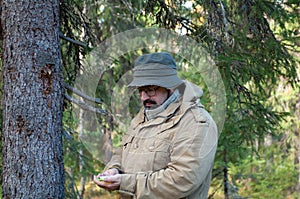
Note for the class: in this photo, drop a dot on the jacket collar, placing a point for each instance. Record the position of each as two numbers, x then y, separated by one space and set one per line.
190 98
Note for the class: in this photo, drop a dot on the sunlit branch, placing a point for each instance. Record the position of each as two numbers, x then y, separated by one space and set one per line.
85 106
79 93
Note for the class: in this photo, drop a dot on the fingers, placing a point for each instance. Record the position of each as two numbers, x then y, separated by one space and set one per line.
113 179
111 172
108 182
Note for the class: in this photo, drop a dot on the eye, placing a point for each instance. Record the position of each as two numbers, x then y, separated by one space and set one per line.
150 91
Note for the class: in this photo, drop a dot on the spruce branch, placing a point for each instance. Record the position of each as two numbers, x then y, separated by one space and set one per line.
85 106
79 93
61 35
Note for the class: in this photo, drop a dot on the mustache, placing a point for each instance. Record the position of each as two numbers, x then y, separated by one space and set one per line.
149 101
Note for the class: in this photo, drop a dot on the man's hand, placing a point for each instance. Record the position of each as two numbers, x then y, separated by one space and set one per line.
109 180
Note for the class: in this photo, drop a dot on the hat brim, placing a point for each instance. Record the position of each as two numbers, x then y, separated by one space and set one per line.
168 82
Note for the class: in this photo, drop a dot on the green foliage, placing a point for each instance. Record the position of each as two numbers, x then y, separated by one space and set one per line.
265 176
79 162
254 45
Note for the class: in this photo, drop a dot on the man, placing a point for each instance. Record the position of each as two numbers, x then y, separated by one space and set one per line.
168 151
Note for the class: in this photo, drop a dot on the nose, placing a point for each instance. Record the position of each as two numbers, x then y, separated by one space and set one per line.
144 96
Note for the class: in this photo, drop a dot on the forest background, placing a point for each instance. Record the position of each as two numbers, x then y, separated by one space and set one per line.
255 45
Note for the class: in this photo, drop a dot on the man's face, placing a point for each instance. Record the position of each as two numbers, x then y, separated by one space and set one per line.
153 96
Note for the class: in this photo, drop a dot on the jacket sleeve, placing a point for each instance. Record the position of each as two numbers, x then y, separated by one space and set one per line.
192 157
115 161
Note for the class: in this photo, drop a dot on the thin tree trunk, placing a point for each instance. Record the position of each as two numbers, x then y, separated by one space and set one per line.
81 154
225 180
81 126
297 142
32 100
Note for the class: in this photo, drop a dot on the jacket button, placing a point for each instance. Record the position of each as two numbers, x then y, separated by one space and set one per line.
151 148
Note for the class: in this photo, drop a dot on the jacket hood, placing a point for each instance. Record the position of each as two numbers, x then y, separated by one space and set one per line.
192 92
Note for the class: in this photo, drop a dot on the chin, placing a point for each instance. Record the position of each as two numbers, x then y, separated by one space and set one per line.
151 107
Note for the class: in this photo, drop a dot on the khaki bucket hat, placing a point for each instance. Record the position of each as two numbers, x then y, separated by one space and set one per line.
157 69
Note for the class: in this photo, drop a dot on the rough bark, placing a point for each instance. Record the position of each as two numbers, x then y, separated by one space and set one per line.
32 100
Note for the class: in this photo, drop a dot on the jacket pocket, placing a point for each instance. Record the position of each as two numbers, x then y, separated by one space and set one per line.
126 140
135 155
161 153
138 162
144 155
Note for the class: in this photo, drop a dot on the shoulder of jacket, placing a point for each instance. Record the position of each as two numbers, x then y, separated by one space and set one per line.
200 114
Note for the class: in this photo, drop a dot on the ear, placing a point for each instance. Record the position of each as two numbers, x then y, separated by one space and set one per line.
170 91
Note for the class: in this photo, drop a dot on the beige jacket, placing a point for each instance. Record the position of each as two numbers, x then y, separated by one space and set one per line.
170 156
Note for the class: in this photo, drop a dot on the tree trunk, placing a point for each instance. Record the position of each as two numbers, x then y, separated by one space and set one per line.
297 141
225 178
81 154
32 100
